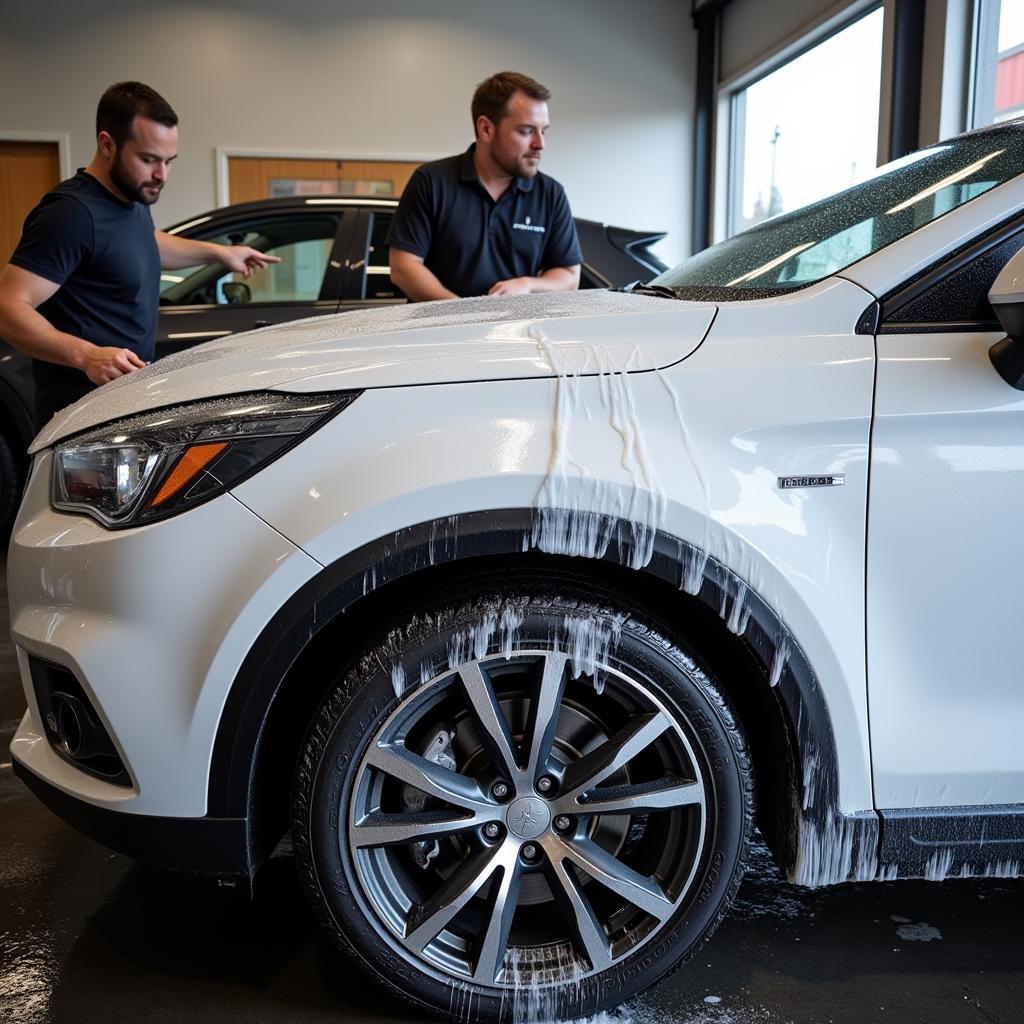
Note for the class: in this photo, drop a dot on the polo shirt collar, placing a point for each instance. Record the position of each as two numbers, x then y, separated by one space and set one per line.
467 172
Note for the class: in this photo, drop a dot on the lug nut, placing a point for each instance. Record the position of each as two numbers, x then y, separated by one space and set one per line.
492 830
530 851
500 791
545 784
562 822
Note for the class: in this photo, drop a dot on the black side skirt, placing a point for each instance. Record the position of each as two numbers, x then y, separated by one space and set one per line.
946 842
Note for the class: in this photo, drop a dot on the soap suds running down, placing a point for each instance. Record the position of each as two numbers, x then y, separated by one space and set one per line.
578 514
693 574
588 641
544 982
839 851
783 649
474 642
938 865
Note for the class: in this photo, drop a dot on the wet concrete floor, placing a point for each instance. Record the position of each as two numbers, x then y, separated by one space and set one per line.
89 935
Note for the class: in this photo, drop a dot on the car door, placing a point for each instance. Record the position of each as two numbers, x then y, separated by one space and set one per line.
368 279
944 561
201 303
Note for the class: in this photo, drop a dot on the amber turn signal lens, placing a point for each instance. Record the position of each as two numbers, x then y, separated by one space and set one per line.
189 466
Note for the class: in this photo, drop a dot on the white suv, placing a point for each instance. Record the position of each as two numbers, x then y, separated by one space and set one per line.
521 613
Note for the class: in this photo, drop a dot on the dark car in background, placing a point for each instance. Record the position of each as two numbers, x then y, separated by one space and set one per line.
334 258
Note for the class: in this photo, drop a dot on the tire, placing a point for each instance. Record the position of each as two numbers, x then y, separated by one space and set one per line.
613 852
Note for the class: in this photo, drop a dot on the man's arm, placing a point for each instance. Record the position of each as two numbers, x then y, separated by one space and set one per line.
419 283
21 292
557 279
177 253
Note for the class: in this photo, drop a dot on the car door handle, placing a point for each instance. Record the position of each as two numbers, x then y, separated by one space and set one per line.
260 323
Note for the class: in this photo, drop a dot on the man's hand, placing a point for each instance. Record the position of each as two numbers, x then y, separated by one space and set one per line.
556 279
104 363
243 260
513 286
178 253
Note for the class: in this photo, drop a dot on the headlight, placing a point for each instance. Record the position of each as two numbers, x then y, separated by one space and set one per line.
163 462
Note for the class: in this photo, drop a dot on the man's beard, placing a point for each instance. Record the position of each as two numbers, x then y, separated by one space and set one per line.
517 167
132 190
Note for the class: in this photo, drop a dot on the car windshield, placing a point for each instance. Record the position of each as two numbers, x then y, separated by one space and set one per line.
796 249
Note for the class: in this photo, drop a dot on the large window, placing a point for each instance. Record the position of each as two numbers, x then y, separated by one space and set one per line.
809 128
998 61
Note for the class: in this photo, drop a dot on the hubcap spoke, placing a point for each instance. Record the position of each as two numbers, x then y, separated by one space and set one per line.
544 713
427 920
642 892
503 910
431 778
589 771
395 829
494 731
593 942
639 799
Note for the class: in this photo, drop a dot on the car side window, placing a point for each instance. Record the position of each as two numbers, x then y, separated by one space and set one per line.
304 245
377 283
962 296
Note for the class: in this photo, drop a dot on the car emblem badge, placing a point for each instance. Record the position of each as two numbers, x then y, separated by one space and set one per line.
528 818
822 480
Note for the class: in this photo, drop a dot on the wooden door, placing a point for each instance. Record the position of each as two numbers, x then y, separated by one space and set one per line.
266 177
27 171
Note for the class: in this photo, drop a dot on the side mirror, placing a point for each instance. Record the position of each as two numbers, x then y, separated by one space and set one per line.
1007 298
236 292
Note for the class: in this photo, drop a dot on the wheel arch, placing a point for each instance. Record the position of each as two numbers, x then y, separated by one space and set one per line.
282 680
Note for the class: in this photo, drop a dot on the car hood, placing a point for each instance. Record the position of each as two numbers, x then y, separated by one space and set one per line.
526 336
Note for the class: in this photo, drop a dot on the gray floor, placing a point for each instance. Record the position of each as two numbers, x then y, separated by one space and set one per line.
88 935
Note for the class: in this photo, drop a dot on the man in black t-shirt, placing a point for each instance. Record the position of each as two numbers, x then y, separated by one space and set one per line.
487 222
82 290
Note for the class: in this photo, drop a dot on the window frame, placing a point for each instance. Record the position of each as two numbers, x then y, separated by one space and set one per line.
729 115
334 271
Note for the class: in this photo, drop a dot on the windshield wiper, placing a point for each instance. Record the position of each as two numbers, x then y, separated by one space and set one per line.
660 290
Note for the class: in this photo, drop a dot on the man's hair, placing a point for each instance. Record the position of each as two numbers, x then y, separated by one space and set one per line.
123 102
492 96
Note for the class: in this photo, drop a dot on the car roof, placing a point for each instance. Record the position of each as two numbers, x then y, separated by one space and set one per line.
286 203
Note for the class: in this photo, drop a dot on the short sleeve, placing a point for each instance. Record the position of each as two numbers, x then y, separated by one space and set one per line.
561 246
57 238
412 227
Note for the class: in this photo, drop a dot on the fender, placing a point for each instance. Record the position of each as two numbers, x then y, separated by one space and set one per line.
832 846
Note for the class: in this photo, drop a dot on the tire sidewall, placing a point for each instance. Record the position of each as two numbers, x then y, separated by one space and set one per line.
358 707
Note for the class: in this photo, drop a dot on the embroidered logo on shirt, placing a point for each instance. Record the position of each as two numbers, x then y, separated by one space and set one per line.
527 226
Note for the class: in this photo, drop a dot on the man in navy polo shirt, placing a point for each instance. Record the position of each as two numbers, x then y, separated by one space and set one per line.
82 290
487 222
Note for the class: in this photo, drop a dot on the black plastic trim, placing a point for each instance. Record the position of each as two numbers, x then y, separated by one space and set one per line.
937 842
214 846
476 535
943 327
939 272
869 319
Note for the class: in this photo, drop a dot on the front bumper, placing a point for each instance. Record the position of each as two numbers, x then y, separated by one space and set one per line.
153 623
213 846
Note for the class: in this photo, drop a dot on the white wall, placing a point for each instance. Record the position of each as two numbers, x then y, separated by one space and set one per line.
388 79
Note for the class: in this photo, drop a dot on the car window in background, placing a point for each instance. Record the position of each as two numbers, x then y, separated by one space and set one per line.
796 249
377 283
303 243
